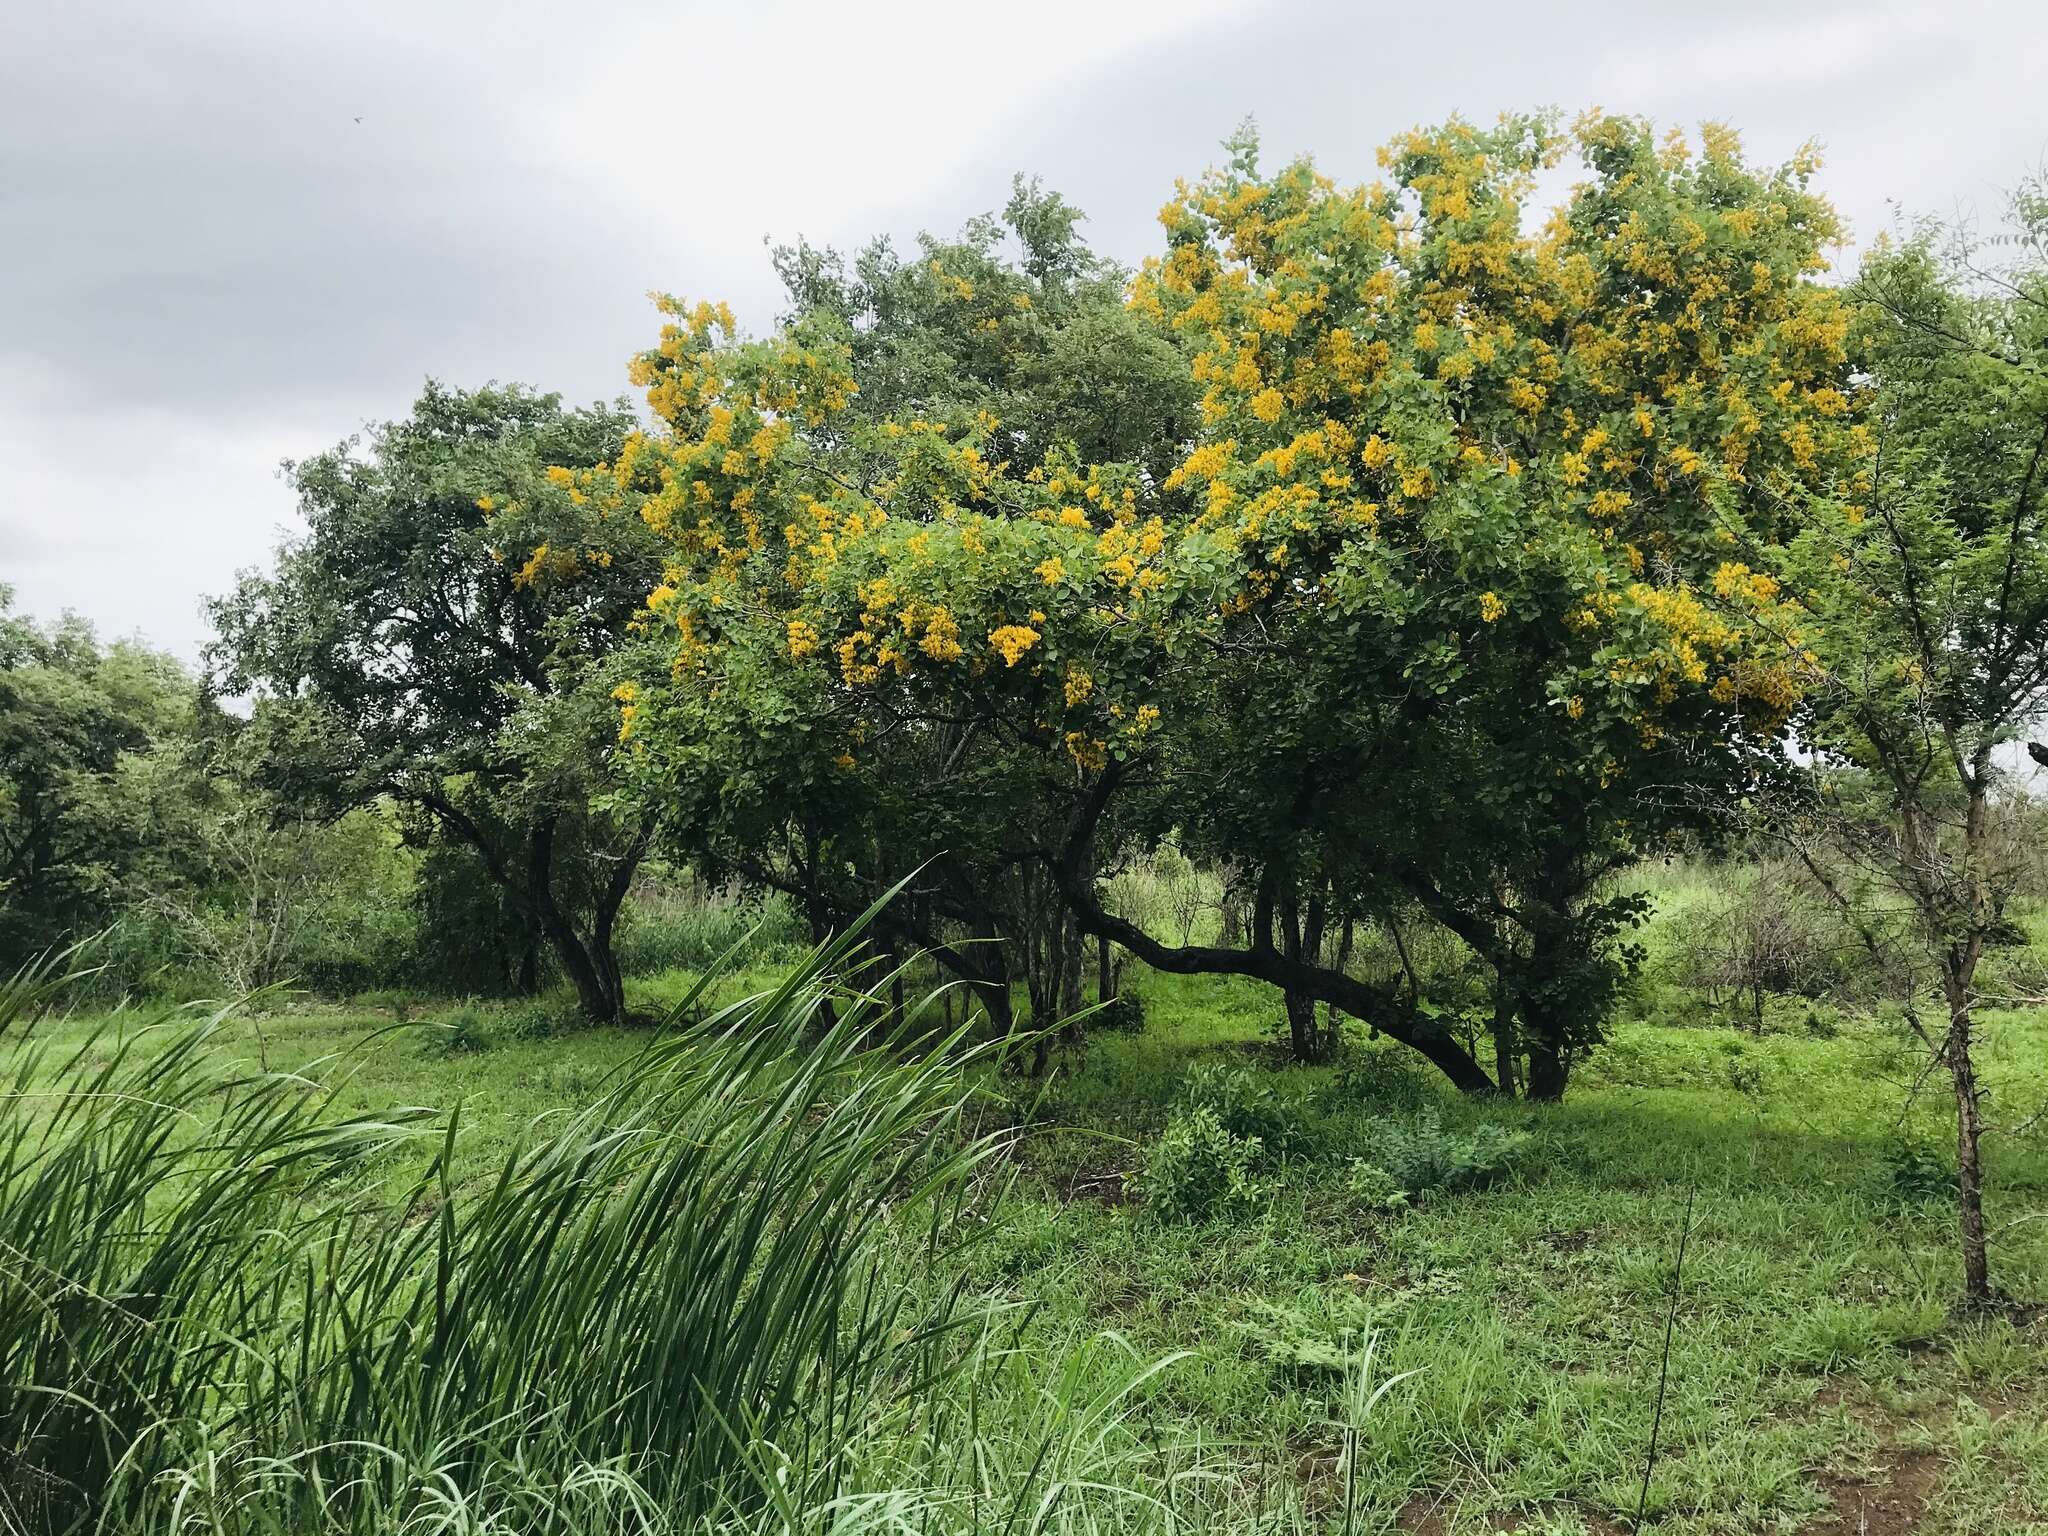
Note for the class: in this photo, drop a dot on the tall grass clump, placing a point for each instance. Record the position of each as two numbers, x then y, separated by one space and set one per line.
682 1307
150 1230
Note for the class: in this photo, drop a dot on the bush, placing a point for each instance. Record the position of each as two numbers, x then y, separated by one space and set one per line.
1372 1188
540 1018
1764 930
1244 1103
1421 1155
1918 1175
685 926
1383 1076
463 1031
1198 1169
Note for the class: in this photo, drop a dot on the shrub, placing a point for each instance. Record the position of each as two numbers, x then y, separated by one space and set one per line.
1198 1169
463 1031
1764 930
1372 1188
684 926
1382 1076
540 1018
1420 1155
1916 1174
1244 1103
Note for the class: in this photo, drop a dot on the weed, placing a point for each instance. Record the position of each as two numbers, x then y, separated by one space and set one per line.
1244 1103
1383 1077
1419 1155
1199 1169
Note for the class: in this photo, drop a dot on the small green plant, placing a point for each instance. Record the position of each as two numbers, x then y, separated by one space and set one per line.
1822 1023
539 1018
1420 1155
1198 1169
461 1032
1916 1174
1372 1188
1244 1103
1383 1077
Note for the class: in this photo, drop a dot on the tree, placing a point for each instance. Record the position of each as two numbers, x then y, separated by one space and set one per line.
1922 626
1464 490
98 785
1013 322
442 635
1445 517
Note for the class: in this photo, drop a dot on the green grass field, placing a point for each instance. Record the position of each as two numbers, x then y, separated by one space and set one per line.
1816 1379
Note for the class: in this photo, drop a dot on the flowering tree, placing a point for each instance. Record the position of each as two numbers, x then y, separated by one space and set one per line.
764 745
1416 603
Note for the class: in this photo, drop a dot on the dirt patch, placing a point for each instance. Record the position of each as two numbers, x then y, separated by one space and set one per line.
1889 1502
1426 1514
1105 1186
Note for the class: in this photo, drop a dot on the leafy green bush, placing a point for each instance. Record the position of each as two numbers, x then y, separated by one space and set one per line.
462 1031
1383 1076
1916 1174
541 1018
1372 1188
1198 1169
687 929
1419 1154
1245 1103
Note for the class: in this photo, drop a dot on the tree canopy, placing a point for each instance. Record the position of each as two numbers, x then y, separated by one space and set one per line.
99 785
1417 600
439 636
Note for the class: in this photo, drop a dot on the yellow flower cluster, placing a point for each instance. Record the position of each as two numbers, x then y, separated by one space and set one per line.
1012 641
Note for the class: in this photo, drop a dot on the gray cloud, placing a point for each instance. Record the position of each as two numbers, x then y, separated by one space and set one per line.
209 265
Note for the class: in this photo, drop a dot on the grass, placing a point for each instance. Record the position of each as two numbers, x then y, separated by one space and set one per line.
1817 1379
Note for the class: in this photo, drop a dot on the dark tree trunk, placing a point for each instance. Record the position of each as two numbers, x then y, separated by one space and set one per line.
1231 934
1301 938
1342 963
1977 1289
1504 1073
1543 982
596 984
1105 978
1547 1071
1073 966
1303 1039
993 992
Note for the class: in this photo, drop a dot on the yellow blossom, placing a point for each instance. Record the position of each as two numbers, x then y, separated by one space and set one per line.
1012 641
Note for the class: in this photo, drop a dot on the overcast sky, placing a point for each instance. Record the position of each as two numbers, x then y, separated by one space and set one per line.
232 233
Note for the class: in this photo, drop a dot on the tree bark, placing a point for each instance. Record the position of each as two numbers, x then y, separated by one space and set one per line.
1977 1288
1504 1073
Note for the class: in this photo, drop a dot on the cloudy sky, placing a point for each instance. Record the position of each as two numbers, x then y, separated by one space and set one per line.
232 233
